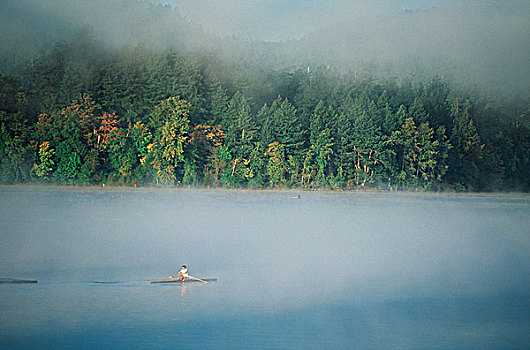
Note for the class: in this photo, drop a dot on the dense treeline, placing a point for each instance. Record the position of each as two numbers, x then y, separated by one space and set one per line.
82 114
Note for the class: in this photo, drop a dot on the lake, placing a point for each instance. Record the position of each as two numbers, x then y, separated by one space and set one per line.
331 270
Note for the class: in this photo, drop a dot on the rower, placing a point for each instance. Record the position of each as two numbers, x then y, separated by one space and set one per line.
183 273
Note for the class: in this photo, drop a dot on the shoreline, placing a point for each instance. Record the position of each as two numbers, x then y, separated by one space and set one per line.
261 190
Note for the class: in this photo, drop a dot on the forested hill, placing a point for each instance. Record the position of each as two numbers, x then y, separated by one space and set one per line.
86 112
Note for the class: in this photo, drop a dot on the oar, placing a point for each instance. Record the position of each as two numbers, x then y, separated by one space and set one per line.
165 278
198 279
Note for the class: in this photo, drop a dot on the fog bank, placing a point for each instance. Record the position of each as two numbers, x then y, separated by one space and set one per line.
476 42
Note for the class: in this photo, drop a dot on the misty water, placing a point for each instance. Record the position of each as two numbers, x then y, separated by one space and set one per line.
328 270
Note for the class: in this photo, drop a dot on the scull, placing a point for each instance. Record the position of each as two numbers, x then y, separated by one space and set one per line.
187 280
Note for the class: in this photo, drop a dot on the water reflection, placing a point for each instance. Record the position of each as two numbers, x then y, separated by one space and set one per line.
182 289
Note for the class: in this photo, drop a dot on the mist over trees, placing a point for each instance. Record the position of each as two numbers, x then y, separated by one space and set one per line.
197 110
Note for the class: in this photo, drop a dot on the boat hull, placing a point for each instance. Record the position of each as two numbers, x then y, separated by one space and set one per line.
189 280
8 281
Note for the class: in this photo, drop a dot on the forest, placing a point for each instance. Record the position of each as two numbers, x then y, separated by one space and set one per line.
81 113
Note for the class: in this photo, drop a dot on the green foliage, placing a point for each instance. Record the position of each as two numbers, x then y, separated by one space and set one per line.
44 167
16 157
256 175
280 123
422 154
317 158
16 152
466 150
366 144
239 126
68 165
276 165
81 114
170 119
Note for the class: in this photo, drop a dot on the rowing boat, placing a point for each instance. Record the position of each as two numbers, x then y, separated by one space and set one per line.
13 281
185 281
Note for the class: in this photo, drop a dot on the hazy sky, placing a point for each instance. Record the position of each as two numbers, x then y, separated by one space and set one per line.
478 41
284 19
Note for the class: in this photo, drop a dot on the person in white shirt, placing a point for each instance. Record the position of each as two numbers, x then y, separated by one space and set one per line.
183 273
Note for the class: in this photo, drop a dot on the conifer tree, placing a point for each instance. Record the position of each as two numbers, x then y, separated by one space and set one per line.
321 142
466 149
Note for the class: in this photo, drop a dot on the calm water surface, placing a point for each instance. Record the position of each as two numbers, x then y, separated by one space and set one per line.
329 270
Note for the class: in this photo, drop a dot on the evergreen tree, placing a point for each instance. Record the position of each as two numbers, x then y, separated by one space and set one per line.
343 141
367 147
280 124
239 126
435 99
321 143
466 149
218 105
256 176
240 136
83 113
417 111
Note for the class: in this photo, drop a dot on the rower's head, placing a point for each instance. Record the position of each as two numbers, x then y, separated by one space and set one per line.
184 267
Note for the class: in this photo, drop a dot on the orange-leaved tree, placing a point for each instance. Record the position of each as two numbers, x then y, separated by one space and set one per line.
109 124
276 166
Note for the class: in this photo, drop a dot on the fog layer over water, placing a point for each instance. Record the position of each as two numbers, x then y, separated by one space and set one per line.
329 269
